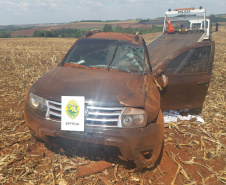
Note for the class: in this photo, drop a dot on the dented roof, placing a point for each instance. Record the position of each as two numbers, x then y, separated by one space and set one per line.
117 36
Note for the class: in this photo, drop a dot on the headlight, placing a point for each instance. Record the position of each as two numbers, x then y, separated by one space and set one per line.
37 104
132 118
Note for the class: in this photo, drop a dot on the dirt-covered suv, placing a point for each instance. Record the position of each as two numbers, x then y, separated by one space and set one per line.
103 92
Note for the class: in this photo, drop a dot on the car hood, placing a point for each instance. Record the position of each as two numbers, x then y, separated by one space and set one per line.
103 88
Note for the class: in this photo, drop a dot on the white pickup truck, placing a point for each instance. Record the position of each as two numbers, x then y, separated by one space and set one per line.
192 18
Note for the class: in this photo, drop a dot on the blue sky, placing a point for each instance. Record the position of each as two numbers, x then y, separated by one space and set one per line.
58 11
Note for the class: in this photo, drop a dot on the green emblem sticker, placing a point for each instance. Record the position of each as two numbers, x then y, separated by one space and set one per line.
72 109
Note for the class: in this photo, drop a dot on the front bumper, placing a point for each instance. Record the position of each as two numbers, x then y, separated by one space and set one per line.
143 145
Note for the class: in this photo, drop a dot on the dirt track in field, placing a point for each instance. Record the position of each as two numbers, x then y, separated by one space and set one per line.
194 153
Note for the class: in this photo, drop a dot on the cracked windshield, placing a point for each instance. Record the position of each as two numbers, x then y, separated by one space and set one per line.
109 54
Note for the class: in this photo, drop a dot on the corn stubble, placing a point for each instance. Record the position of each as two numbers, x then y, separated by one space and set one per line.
188 144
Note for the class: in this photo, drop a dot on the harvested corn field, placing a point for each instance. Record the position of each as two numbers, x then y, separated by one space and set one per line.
193 153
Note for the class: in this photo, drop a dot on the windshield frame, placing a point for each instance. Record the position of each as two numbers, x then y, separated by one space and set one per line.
144 65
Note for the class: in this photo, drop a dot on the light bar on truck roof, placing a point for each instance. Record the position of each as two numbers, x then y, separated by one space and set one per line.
184 9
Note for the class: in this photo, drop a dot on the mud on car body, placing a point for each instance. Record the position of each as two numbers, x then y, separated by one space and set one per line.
122 103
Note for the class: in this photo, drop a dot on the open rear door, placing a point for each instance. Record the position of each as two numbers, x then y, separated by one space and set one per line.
189 74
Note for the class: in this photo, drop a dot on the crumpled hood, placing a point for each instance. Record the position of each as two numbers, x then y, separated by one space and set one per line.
104 88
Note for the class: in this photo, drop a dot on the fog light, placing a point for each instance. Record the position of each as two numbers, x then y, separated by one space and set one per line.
147 154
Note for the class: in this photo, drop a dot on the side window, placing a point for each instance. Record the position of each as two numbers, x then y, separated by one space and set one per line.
175 63
192 61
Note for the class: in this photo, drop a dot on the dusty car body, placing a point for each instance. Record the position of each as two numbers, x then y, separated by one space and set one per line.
122 103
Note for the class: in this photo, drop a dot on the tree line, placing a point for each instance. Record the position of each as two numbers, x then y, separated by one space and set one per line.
64 32
4 34
130 30
77 33
214 18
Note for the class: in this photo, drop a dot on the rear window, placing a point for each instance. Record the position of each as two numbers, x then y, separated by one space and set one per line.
192 61
109 54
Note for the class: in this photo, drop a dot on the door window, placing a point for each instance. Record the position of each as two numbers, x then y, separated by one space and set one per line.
192 61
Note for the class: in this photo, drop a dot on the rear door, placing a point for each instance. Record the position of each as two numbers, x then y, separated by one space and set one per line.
189 74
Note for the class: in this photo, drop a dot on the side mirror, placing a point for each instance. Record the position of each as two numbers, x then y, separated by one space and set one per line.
161 79
164 80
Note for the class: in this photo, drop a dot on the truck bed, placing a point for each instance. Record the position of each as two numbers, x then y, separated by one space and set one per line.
166 44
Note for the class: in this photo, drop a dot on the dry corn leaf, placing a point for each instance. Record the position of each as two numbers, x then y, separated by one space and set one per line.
196 142
175 177
221 179
203 148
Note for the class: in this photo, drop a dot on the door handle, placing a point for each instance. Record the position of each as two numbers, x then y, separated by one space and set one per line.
203 83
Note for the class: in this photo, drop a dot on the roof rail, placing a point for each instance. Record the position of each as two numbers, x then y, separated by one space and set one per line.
90 32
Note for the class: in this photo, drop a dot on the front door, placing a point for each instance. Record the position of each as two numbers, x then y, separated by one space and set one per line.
189 75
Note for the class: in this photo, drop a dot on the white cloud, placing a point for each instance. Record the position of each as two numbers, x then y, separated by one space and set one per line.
94 4
40 11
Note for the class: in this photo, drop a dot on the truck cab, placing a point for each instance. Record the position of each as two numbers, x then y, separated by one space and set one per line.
189 20
199 24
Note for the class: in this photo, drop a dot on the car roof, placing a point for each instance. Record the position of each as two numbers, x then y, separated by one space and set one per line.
118 36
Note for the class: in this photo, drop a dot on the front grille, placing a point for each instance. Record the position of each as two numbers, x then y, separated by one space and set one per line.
94 115
105 116
54 111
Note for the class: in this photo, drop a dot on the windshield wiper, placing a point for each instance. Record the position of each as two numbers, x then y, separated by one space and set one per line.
76 65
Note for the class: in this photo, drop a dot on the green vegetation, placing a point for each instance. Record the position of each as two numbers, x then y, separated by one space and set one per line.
14 28
214 18
4 34
142 30
59 33
107 28
39 33
142 21
150 21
